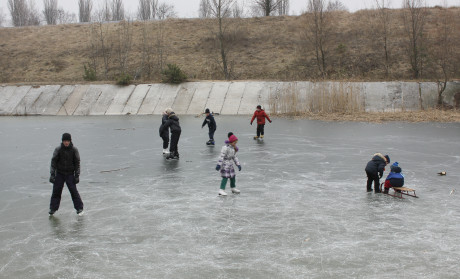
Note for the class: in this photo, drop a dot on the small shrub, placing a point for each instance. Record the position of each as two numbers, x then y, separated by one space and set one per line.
90 73
173 74
124 79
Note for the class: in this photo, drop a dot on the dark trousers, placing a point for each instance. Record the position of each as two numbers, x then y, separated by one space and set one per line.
57 191
165 138
373 177
260 129
211 134
174 141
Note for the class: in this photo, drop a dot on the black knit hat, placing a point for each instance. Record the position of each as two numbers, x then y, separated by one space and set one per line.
259 106
388 158
207 111
66 136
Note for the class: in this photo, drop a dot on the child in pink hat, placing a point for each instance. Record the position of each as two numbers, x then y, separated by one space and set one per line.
225 165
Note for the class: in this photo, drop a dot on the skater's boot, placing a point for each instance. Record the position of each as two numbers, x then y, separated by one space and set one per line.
213 142
80 212
51 212
208 142
165 151
170 156
256 137
176 155
222 193
235 191
261 136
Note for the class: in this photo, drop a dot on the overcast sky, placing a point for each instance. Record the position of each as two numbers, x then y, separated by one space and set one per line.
189 8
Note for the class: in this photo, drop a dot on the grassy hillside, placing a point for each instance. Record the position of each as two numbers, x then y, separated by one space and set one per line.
273 48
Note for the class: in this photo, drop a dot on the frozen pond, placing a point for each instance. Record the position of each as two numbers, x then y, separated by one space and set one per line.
303 211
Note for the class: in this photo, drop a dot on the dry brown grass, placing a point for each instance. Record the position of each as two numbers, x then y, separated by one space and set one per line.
269 48
432 115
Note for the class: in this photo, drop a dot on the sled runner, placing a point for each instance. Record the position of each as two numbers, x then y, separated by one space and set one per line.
398 192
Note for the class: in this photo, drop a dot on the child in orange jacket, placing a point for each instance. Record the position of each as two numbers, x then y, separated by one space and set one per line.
260 115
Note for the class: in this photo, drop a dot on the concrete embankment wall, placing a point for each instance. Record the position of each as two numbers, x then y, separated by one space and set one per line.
239 97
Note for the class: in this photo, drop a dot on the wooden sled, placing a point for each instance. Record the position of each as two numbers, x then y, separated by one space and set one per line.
398 192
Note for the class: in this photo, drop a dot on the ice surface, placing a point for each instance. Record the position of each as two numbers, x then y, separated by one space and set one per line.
303 211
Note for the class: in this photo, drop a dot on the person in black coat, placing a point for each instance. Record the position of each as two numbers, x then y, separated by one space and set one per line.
209 120
65 168
374 170
173 124
165 133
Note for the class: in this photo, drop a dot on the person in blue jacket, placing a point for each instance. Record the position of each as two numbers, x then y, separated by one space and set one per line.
209 120
374 170
395 178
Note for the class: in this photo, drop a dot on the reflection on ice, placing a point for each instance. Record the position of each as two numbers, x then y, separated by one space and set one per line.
303 211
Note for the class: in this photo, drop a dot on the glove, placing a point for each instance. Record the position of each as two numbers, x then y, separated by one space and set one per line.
217 167
239 167
77 179
52 179
251 123
270 121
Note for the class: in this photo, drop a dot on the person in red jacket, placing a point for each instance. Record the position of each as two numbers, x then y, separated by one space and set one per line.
261 115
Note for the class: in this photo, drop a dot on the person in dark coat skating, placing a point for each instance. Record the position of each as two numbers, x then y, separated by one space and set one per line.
209 120
374 170
65 168
173 124
165 133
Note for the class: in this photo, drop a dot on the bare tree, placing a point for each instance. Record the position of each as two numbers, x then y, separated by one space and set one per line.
117 10
336 5
165 11
34 14
267 7
1 17
50 11
204 11
64 17
318 31
220 9
443 50
23 14
123 45
414 18
237 10
283 7
154 9
85 8
382 30
105 13
143 11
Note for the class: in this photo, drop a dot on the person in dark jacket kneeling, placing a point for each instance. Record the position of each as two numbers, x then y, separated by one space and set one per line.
395 178
173 124
65 167
374 170
165 133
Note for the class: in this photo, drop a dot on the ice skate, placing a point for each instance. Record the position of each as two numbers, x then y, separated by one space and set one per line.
261 136
222 193
256 137
235 191
80 212
51 213
165 151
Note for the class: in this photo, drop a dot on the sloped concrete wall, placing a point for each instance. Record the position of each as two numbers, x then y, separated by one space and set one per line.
237 97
